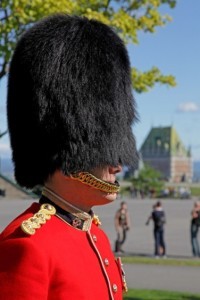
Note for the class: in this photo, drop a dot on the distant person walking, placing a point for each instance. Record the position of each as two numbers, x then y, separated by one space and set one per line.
159 219
194 228
122 224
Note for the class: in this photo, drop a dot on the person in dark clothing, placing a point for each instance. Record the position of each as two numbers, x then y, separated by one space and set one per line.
195 223
159 219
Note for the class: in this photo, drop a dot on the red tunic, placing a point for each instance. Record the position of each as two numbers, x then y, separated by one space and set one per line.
58 262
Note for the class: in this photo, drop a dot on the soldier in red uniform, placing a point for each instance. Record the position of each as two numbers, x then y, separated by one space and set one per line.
70 111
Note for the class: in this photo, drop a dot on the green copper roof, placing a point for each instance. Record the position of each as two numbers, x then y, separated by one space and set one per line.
163 141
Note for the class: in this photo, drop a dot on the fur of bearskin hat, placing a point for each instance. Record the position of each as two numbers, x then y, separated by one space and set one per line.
70 103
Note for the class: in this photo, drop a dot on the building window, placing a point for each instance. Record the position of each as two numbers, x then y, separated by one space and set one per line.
158 142
166 146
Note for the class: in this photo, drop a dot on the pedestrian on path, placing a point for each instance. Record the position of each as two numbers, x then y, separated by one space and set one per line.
122 225
194 229
159 219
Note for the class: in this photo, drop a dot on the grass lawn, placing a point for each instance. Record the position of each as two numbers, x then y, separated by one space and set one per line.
195 191
159 295
168 261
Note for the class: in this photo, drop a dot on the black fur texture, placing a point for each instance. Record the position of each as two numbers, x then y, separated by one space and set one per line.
70 103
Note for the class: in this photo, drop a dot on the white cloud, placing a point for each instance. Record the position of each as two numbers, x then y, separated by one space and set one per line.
188 107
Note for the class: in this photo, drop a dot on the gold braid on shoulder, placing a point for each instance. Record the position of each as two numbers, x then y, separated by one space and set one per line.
96 183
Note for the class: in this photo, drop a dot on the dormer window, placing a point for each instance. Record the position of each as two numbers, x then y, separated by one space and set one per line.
158 141
166 146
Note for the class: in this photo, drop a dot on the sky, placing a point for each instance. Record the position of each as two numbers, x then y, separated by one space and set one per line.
175 50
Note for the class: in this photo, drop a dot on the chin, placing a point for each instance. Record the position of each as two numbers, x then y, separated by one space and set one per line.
101 198
110 197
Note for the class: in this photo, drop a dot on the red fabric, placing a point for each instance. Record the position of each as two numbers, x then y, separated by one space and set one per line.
58 262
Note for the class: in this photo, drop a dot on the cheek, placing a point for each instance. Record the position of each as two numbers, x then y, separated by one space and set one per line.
106 175
102 174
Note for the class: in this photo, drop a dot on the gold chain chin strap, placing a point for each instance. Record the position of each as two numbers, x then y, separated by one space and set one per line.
96 183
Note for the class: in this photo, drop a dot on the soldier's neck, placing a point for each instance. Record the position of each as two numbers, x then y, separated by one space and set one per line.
73 192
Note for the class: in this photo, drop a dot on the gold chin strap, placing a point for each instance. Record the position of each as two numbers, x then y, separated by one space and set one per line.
96 183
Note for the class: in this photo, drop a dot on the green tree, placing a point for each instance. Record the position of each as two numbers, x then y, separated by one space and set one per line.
128 17
148 180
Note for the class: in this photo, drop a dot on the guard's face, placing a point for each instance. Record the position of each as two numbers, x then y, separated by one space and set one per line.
107 174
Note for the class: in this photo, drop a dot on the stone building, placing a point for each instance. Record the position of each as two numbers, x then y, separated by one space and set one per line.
164 151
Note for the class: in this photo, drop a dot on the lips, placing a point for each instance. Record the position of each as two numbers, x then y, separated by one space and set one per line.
116 183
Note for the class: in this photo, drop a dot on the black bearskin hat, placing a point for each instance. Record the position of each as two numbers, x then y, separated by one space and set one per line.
70 103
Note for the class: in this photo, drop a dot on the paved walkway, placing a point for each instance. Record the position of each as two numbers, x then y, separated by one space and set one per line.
140 241
156 277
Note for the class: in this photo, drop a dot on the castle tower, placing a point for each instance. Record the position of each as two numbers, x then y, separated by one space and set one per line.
164 151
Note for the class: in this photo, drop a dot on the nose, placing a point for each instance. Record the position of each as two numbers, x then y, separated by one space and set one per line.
115 170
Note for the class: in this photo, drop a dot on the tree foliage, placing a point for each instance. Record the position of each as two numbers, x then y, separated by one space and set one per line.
148 180
128 17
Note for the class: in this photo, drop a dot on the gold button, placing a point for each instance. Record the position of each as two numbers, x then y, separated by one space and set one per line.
114 287
106 261
94 238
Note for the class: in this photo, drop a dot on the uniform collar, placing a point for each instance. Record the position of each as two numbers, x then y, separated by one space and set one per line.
69 213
